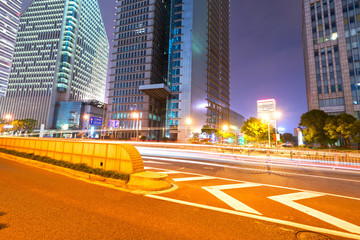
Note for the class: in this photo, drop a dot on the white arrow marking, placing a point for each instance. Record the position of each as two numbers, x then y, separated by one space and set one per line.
288 199
232 202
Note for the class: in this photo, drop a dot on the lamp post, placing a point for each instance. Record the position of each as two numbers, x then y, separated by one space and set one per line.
225 128
277 115
135 115
188 122
8 117
266 119
86 118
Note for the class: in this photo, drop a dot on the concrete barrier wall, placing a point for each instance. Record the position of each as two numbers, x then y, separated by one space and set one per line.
123 158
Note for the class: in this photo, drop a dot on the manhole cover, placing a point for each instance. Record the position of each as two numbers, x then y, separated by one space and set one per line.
311 236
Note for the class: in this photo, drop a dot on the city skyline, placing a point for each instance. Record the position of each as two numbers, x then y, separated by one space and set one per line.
8 25
282 73
63 59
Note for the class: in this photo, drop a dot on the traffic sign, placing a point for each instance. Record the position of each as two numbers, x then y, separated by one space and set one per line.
114 123
95 121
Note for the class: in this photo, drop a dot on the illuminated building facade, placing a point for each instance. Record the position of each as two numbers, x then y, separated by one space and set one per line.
331 40
139 88
187 56
199 68
9 22
61 55
266 110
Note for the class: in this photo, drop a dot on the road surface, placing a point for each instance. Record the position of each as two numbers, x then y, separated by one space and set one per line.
216 199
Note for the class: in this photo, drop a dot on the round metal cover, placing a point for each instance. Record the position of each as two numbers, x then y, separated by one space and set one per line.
311 236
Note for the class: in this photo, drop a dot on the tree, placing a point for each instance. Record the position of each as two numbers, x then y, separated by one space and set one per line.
23 125
209 130
287 137
312 124
355 132
340 126
255 130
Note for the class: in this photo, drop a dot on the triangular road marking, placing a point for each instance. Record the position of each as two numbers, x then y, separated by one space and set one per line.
288 200
232 202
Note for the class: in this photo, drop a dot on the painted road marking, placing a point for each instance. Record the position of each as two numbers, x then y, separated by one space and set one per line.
232 202
193 179
288 200
268 185
170 172
273 220
250 169
269 219
157 162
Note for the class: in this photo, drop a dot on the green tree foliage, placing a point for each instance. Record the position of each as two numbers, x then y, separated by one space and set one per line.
312 124
255 130
23 125
209 130
340 126
355 132
287 137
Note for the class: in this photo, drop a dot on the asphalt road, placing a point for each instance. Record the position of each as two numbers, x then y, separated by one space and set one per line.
38 204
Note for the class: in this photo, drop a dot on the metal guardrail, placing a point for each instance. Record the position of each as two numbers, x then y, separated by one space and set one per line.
333 159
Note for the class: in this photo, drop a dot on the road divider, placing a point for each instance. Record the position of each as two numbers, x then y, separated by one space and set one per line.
75 156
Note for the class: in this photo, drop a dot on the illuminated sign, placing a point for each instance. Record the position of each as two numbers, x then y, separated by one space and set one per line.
95 121
114 123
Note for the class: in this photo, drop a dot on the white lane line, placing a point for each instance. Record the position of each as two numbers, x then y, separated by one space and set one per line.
274 186
157 162
273 220
251 169
170 172
193 179
288 200
232 202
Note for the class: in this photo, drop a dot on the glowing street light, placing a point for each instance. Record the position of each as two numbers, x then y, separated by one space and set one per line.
8 117
225 128
136 116
86 117
188 121
277 115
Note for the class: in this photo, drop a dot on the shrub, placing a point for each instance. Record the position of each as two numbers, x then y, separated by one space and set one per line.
82 167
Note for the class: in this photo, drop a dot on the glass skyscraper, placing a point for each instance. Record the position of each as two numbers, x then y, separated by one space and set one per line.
139 88
9 22
61 55
170 65
331 40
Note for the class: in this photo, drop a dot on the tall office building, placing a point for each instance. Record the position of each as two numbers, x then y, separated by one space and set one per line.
331 40
9 22
184 80
139 61
61 55
266 110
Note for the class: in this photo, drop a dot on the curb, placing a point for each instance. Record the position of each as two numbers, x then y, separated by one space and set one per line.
160 183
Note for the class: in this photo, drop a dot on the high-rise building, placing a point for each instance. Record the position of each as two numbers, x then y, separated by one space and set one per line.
331 42
61 55
266 110
139 61
9 22
170 65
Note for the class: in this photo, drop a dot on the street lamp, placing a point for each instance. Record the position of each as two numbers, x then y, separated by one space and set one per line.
225 128
188 122
277 115
8 117
136 116
266 119
86 118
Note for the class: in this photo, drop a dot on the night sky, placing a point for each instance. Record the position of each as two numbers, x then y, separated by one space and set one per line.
266 56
